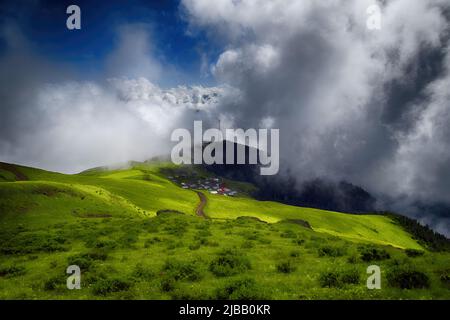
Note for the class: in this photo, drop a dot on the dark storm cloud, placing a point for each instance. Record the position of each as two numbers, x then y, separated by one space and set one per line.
352 104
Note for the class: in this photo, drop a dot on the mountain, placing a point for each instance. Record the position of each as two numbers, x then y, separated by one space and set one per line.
317 193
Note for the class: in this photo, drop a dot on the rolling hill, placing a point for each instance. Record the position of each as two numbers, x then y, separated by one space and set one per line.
129 228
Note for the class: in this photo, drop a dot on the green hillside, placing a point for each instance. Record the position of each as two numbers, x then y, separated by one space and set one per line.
124 228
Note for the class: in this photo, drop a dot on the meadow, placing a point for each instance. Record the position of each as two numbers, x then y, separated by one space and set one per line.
135 235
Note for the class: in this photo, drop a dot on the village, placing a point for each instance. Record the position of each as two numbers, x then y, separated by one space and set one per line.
210 184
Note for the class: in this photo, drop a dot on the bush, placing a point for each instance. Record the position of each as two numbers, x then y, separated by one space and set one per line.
294 253
286 267
32 242
82 261
373 254
329 280
412 253
143 272
110 285
12 271
181 270
445 278
247 244
331 251
350 277
229 262
55 283
242 289
190 294
288 234
151 241
298 242
408 279
105 244
335 279
194 246
101 255
86 260
167 284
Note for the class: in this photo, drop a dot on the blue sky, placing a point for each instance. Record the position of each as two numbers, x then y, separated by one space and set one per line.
43 23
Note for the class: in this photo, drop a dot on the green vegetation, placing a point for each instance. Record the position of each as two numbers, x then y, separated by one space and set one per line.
135 235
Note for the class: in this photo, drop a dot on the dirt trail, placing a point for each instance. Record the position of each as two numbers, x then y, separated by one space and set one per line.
199 210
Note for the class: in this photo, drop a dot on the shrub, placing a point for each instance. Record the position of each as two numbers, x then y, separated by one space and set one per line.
329 280
373 254
445 278
12 271
105 244
264 241
331 251
350 276
54 283
171 244
294 253
32 242
203 233
242 289
143 272
408 279
128 239
101 255
190 294
178 270
194 246
109 285
298 242
286 267
288 234
247 244
412 253
86 260
229 262
151 241
82 261
167 284
336 279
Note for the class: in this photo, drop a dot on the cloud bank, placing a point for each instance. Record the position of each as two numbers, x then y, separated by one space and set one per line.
370 107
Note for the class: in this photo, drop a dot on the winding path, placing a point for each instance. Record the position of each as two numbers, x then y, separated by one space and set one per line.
199 210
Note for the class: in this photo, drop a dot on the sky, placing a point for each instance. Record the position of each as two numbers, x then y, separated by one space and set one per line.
371 107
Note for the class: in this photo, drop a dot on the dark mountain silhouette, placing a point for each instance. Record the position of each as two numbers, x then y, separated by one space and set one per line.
316 193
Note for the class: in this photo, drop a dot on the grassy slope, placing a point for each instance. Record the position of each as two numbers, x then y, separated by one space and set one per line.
143 190
47 221
371 228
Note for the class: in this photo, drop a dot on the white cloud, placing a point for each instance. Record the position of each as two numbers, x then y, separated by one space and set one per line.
134 55
84 124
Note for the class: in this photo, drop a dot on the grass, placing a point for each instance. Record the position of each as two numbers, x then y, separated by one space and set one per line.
370 228
106 222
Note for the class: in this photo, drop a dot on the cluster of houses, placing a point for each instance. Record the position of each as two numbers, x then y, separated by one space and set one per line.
212 185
